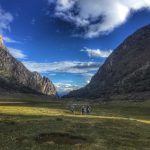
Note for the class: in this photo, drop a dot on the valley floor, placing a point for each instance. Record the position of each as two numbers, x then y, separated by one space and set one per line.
37 123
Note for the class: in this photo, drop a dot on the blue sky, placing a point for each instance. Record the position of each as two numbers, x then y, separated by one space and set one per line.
68 40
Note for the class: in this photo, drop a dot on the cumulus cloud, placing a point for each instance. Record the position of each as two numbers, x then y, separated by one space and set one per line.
97 16
64 88
5 19
17 53
74 67
97 52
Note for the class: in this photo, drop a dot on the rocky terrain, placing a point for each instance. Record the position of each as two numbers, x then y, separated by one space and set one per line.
14 76
125 72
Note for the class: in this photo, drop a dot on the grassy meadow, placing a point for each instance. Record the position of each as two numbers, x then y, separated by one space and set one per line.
40 123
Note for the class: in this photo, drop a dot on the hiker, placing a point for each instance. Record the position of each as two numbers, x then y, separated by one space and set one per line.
83 110
88 109
72 108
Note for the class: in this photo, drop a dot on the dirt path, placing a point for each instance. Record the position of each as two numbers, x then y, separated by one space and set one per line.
94 117
111 117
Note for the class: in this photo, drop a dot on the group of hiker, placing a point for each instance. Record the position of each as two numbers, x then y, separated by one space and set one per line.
85 109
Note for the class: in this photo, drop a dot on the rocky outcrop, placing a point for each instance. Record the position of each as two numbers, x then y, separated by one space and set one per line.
14 76
125 72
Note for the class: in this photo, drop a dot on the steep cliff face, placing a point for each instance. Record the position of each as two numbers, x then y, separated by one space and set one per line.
15 76
127 69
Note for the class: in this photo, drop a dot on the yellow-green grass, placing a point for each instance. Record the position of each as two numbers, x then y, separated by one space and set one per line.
111 126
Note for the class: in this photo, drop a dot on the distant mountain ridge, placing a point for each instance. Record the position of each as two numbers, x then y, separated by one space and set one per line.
125 72
14 76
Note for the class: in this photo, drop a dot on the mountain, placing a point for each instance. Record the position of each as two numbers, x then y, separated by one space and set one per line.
126 72
14 76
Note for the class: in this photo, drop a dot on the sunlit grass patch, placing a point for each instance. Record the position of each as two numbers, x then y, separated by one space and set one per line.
23 110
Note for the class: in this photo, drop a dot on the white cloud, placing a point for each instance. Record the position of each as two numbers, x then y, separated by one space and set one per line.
5 19
97 16
64 88
9 40
17 53
97 52
75 67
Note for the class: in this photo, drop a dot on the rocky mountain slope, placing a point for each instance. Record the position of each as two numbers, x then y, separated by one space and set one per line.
14 76
125 72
